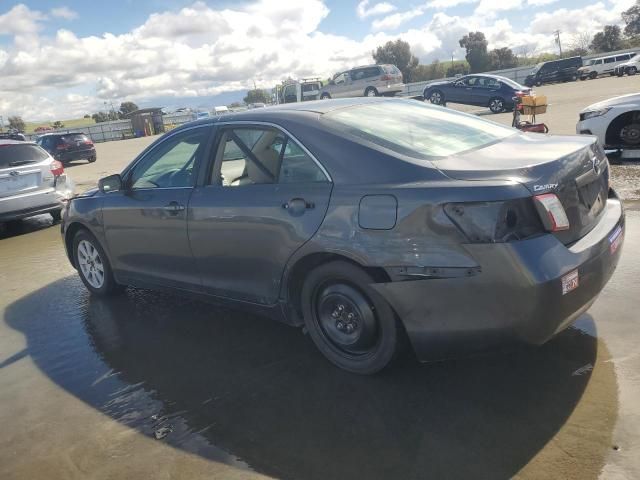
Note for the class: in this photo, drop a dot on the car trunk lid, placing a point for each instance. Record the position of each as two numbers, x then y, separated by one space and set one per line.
24 168
572 167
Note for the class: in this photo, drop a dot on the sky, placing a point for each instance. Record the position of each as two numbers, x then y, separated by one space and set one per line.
61 60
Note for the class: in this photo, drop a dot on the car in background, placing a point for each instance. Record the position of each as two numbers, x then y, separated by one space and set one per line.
31 182
615 122
562 70
362 220
491 91
603 65
630 68
67 147
367 81
13 135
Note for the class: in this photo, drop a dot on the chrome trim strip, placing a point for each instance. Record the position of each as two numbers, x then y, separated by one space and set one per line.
274 125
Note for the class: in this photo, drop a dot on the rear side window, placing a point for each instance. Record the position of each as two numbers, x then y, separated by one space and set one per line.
610 60
415 129
13 155
622 58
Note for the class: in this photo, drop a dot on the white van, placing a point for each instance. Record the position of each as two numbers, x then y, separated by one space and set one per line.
601 65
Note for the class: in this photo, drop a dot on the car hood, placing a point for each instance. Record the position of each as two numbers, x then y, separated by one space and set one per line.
572 167
630 99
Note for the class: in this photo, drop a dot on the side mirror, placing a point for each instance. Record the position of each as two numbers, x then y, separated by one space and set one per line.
112 183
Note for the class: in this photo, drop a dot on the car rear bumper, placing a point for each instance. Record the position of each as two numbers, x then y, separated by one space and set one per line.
391 89
74 155
517 297
41 201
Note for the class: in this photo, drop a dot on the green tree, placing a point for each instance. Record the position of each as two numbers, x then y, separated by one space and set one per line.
256 96
475 44
126 108
502 58
607 40
100 117
632 19
458 68
57 124
397 53
86 115
16 123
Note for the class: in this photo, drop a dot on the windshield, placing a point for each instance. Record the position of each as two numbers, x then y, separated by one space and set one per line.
537 67
417 130
590 62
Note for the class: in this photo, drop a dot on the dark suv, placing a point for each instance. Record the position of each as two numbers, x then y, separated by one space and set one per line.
66 147
561 70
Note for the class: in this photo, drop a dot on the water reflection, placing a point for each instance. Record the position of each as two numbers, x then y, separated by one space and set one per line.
249 392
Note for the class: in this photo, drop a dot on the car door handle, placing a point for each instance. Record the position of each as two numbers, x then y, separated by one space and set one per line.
298 205
173 208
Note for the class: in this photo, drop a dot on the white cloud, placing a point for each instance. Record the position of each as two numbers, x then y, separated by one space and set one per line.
201 51
364 10
491 8
444 4
64 12
539 3
392 22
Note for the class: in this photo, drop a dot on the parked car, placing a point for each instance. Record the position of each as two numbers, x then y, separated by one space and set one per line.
490 91
615 122
320 214
13 136
303 90
67 147
561 70
31 182
602 65
630 67
367 81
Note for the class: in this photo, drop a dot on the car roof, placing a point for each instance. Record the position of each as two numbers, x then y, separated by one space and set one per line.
8 141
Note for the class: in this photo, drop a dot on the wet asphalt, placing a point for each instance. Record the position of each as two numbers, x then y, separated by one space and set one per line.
151 385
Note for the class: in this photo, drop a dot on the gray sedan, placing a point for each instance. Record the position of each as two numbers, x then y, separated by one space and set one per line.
364 220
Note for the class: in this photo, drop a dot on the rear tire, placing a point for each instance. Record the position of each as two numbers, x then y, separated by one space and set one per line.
92 159
371 92
632 71
93 265
349 322
56 215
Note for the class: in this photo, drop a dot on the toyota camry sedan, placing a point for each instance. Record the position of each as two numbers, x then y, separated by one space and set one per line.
366 221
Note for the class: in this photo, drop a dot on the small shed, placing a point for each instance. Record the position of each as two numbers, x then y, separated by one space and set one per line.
146 121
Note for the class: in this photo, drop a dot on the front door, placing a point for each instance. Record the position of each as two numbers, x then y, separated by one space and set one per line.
146 223
265 197
484 90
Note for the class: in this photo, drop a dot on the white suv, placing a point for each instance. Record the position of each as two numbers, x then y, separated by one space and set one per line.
630 68
616 122
31 182
598 66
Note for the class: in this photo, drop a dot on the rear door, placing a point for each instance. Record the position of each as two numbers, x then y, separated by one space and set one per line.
264 198
485 89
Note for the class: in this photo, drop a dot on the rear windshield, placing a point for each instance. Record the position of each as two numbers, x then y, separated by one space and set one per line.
75 137
415 129
20 154
391 69
511 83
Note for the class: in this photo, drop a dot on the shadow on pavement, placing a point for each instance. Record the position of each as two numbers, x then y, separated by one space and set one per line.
250 392
25 226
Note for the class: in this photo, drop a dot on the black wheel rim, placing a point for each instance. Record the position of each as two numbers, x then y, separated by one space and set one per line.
345 318
630 134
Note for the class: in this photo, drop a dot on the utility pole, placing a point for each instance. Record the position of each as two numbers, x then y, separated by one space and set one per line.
557 34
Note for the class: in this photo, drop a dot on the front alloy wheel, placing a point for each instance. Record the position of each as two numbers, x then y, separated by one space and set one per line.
90 264
93 265
496 105
436 98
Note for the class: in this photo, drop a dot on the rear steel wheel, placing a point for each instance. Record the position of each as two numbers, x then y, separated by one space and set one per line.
349 322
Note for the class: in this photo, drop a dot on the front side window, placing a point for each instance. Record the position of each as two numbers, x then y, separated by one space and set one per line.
340 79
172 163
259 155
598 62
415 129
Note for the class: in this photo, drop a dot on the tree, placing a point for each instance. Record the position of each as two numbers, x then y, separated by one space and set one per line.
234 105
607 40
16 123
632 18
397 53
256 96
579 44
458 68
475 44
57 124
502 58
100 117
126 108
86 115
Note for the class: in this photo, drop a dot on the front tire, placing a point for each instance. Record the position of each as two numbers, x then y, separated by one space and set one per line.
92 159
349 322
93 265
593 75
632 71
325 96
496 105
436 97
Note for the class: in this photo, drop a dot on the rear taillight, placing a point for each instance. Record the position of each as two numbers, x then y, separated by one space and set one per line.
551 212
385 78
57 168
